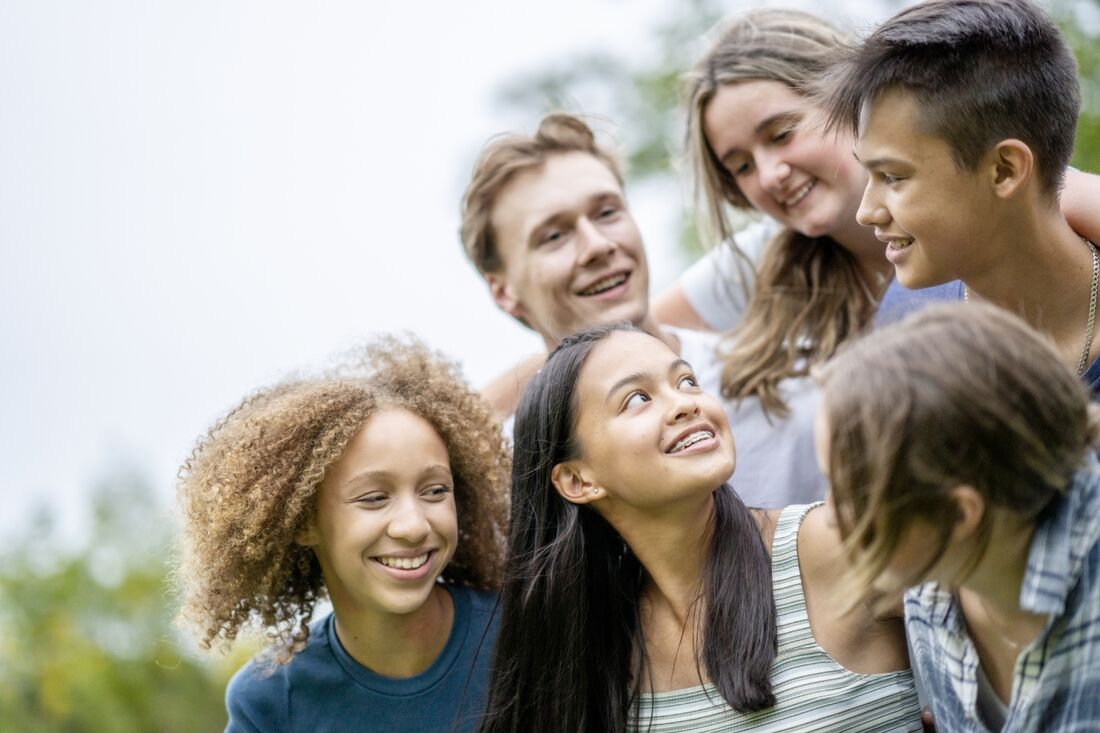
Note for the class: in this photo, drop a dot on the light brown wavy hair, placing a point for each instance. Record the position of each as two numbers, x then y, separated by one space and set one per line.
808 297
251 483
956 394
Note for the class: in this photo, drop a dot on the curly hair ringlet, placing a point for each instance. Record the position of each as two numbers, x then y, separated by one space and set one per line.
249 488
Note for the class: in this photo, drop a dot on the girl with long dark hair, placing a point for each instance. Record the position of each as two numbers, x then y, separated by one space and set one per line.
639 592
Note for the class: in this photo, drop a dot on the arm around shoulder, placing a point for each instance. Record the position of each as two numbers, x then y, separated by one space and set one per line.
1081 203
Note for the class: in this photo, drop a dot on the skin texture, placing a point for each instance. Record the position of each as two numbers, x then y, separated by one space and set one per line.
391 495
917 193
562 228
768 138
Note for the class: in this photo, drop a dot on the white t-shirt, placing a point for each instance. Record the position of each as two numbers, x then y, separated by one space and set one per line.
717 284
776 463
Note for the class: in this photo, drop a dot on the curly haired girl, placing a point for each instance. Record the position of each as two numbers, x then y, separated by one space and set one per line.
368 487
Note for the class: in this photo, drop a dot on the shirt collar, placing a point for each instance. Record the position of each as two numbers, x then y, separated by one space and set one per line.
1065 533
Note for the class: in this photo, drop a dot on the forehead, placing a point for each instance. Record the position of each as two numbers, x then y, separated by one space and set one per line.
565 182
890 126
736 109
621 354
389 437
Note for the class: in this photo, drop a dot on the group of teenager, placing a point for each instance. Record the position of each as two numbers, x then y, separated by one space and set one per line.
645 545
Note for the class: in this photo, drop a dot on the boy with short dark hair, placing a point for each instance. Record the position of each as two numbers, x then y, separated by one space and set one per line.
965 113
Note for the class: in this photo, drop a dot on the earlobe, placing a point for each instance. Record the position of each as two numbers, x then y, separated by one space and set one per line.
970 506
571 483
504 295
1012 167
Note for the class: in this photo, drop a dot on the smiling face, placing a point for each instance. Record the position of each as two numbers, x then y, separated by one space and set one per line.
648 434
385 525
767 138
933 216
572 254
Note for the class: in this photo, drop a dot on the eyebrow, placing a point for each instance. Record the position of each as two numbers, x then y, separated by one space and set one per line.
370 474
763 125
878 162
639 377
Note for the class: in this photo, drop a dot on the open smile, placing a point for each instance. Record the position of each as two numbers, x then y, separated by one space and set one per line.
696 439
608 285
800 193
405 567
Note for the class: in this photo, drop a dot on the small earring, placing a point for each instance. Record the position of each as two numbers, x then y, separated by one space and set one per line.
595 490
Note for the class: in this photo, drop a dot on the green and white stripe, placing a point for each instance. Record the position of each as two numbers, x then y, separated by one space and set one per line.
814 694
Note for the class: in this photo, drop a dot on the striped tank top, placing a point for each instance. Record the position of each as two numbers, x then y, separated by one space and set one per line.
813 693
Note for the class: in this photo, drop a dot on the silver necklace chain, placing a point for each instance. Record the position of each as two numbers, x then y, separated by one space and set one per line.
1090 326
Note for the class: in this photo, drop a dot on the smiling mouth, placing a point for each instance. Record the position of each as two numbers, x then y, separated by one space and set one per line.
899 243
800 193
605 284
690 440
404 563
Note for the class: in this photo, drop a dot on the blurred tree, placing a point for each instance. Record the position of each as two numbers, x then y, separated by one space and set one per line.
86 640
644 100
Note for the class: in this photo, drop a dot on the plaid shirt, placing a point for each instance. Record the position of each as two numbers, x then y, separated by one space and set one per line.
1056 682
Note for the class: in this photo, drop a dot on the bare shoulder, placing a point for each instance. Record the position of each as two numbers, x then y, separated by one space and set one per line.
819 544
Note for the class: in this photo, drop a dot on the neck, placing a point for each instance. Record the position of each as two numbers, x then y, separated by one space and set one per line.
991 590
668 546
396 645
1037 267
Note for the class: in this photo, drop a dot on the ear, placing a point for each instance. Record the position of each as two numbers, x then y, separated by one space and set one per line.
971 507
1012 166
504 295
571 481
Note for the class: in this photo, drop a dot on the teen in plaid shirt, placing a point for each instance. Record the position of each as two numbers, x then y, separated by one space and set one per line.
960 451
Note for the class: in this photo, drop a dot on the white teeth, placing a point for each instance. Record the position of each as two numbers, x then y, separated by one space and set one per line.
605 284
800 194
691 440
900 243
404 563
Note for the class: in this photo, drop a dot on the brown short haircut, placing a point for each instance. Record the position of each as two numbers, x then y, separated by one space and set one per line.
982 71
957 394
501 160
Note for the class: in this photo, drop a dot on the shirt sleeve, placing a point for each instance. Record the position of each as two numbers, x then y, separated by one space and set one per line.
718 284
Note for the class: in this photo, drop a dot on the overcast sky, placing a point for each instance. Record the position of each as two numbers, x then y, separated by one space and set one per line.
197 197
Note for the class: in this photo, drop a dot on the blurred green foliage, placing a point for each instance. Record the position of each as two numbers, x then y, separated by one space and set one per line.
86 637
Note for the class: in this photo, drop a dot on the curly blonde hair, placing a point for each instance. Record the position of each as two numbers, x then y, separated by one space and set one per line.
250 486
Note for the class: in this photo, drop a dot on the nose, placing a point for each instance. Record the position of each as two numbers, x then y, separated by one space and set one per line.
593 243
773 170
872 212
408 522
683 406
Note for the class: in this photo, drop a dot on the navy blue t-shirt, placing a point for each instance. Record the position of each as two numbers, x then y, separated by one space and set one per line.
899 301
323 690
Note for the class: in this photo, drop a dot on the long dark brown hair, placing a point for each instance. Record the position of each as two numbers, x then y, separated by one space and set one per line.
570 655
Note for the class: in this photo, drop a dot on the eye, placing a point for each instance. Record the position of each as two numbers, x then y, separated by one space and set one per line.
551 236
372 499
740 168
784 134
636 399
437 492
607 212
688 380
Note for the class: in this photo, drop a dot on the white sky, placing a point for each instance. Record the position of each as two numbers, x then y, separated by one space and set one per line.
197 197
